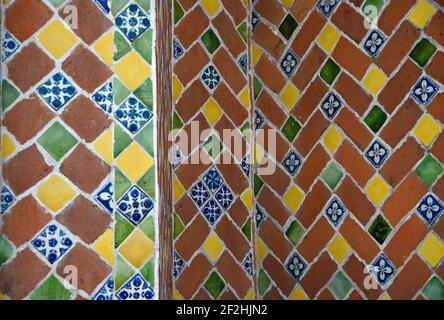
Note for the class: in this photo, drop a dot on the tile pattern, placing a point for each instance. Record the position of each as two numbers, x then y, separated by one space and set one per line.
353 210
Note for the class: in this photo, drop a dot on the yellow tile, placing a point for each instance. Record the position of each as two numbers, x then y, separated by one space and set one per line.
55 193
212 111
134 162
105 48
290 95
293 198
298 294
137 249
329 37
8 146
3 297
57 38
177 88
261 250
257 53
244 97
179 190
211 6
432 250
133 70
177 295
426 130
378 190
213 247
104 146
250 295
385 296
422 13
375 80
247 198
105 246
287 3
333 139
259 154
339 248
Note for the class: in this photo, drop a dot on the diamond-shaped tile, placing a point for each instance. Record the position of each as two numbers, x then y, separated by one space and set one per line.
259 216
296 266
332 139
212 111
7 199
57 38
104 97
179 264
329 37
289 63
382 269
10 45
339 248
331 105
212 211
211 6
211 77
332 175
374 42
133 70
380 229
430 209
330 71
51 289
340 286
429 170
135 205
247 263
292 162
434 289
432 250
377 154
136 289
288 26
374 80
134 162
259 120
105 196
291 128
9 94
55 193
132 22
423 51
422 13
133 115
375 119
243 63
213 179
215 285
105 5
213 146
327 6
426 130
106 292
293 198
210 40
335 211
377 190
255 20
57 141
52 243
295 232
224 197
57 91
289 96
213 247
425 90
137 248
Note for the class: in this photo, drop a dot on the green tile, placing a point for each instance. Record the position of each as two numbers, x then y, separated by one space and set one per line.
121 46
291 129
264 282
434 289
6 250
245 130
145 93
146 138
288 26
147 271
9 94
51 289
295 232
122 272
428 170
178 12
123 229
330 71
375 119
423 51
242 29
258 183
213 146
117 6
56 3
178 226
332 175
257 87
121 184
120 91
143 45
214 285
340 286
211 41
148 182
145 4
57 141
121 140
246 229
148 227
380 229
376 3
177 122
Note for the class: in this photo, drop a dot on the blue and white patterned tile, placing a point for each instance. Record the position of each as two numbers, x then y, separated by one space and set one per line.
383 269
289 63
199 194
177 157
243 63
296 266
104 97
7 199
211 77
224 197
292 162
53 242
136 289
135 205
246 165
132 21
377 154
104 5
106 292
327 6
248 264
212 211
133 115
10 46
178 264
177 49
259 216
104 197
255 20
374 43
331 105
259 120
213 179
425 90
57 91
335 211
430 209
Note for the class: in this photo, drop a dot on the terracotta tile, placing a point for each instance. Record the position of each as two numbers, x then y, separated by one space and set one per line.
235 276
229 70
355 269
192 276
25 170
309 67
19 277
436 66
349 56
86 118
278 181
233 175
434 29
440 271
274 238
438 148
202 295
353 94
308 32
404 199
92 270
185 209
356 201
228 295
279 275
230 104
355 296
23 18
435 108
313 203
238 212
350 21
85 219
438 189
27 118
192 99
397 47
354 163
359 240
300 9
85 169
311 133
234 239
79 66
325 295
192 238
187 4
318 275
357 3
273 294
188 173
29 66
193 134
408 237
393 14
270 109
191 64
355 130
271 10
236 10
316 239
92 22
310 100
402 162
191 26
270 41
229 35
24 221
312 168
273 205
270 74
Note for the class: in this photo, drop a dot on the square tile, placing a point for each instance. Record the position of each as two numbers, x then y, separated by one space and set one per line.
425 90
292 162
289 63
135 289
52 243
135 205
335 211
331 105
57 91
7 199
211 77
296 266
133 115
430 209
374 43
383 269
377 153
327 6
132 22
